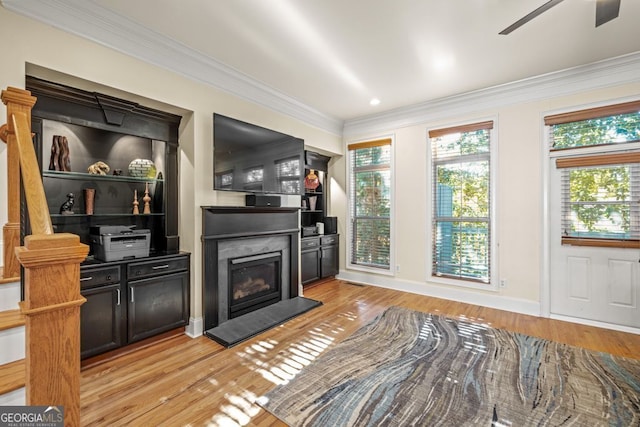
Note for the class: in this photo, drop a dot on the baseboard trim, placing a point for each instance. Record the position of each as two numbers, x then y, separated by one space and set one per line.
491 300
195 328
597 324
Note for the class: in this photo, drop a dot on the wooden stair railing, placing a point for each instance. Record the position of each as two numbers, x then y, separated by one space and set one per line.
51 261
10 272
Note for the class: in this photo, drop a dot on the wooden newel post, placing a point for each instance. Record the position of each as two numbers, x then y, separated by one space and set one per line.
52 311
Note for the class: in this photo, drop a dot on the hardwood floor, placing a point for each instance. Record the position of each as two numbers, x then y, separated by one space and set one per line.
194 382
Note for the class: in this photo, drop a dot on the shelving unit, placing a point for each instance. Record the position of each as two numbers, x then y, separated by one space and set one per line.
319 254
133 298
319 165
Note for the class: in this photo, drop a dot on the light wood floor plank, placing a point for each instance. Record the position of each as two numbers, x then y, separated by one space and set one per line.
195 382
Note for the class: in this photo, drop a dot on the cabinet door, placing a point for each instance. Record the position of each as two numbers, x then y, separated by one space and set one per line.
310 261
101 320
329 263
157 304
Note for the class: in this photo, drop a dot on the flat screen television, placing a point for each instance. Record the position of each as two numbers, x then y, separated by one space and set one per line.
252 159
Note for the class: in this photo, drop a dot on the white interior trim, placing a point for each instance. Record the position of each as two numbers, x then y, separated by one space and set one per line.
195 328
606 73
490 300
91 21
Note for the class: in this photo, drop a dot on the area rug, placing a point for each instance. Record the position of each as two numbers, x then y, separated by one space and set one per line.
408 368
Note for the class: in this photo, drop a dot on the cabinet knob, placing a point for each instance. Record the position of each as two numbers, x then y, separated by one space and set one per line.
108 277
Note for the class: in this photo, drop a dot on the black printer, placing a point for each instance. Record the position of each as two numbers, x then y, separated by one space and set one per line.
117 242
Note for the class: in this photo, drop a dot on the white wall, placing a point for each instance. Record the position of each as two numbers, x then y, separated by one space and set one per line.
28 43
519 131
520 188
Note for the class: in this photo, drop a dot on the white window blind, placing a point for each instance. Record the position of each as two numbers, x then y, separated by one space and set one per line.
461 216
370 203
600 195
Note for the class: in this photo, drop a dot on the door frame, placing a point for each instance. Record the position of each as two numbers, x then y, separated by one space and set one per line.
545 268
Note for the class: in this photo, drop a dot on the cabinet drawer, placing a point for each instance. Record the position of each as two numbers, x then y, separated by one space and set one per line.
329 239
308 243
91 277
139 270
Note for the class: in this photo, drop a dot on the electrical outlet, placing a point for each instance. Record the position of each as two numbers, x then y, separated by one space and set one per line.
503 283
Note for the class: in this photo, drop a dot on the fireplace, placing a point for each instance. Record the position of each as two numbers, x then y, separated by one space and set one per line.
254 282
250 260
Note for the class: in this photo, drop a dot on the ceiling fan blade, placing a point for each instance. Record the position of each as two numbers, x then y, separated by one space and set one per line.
606 10
520 22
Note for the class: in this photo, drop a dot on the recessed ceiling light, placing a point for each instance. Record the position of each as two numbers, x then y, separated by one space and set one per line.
374 101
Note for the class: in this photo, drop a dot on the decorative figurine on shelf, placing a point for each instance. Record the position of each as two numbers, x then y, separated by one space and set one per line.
142 168
59 160
66 208
136 211
311 181
99 168
146 199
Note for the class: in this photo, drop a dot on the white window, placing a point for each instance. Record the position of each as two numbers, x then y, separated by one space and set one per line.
462 235
370 204
599 192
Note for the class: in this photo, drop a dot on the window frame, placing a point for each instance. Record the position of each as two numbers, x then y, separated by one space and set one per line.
492 284
363 143
593 155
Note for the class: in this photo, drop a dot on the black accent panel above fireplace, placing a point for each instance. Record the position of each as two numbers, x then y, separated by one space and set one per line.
250 260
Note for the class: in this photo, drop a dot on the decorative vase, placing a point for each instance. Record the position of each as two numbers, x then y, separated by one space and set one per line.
146 199
311 181
135 203
312 202
142 168
89 198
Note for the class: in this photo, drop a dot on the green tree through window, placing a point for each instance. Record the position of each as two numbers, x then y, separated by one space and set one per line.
370 170
599 192
461 165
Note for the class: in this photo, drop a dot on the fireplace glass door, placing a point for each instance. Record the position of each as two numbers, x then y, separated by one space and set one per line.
254 282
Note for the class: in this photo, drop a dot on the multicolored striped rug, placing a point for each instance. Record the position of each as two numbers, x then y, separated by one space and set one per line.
408 368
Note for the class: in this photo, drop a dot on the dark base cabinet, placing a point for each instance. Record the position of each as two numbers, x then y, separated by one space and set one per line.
329 265
319 257
157 305
310 260
101 320
131 300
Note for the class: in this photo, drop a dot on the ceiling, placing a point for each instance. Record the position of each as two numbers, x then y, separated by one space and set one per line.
334 56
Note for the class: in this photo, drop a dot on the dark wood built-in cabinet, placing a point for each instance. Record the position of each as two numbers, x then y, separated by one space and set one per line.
314 198
133 300
319 254
319 257
135 296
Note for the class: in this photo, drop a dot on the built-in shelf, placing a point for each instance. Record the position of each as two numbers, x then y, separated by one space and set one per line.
86 176
106 215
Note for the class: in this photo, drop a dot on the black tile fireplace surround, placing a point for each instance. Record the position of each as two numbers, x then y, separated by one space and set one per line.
245 237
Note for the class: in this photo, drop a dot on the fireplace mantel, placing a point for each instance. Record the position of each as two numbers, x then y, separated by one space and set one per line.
245 228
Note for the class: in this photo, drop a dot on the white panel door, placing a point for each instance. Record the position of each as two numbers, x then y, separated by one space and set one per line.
601 284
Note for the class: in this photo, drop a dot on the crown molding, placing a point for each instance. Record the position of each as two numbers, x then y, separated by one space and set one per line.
91 21
606 73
